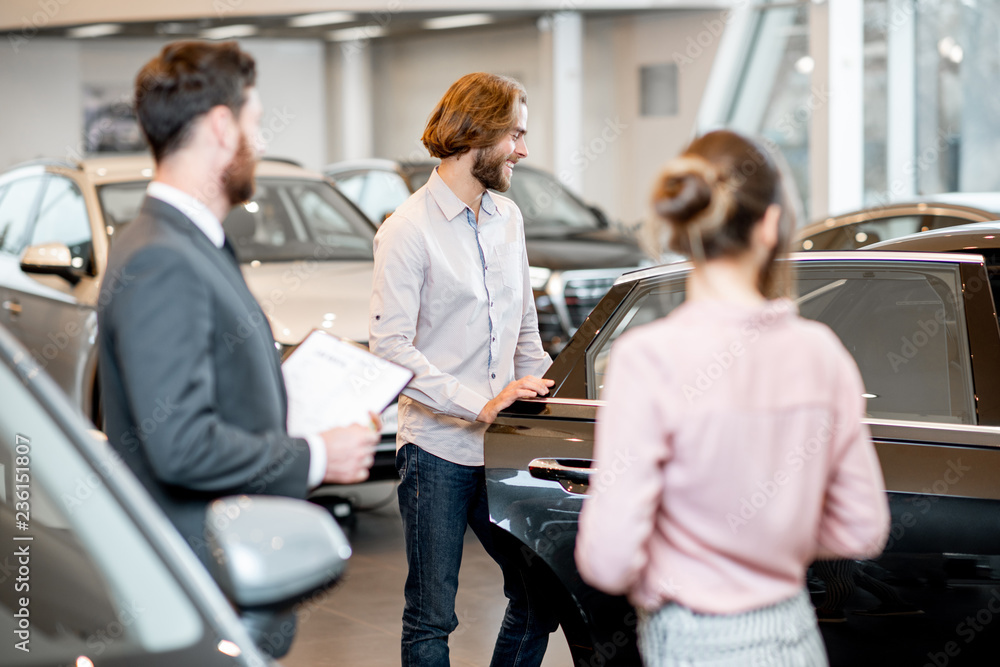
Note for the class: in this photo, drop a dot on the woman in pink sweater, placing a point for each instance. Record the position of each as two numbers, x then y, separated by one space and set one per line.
741 425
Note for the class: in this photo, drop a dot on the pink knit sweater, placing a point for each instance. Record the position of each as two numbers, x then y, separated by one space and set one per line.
730 455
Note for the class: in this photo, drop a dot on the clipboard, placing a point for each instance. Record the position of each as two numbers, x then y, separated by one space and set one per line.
332 382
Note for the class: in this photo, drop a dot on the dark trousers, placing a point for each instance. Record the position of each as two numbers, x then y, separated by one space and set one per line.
437 500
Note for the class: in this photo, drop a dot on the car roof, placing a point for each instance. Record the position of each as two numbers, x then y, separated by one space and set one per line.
368 164
976 236
898 254
121 168
936 208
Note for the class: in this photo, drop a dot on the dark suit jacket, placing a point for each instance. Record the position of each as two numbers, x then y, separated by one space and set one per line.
193 396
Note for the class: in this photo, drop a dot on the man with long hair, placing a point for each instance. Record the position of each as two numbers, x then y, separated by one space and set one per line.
452 301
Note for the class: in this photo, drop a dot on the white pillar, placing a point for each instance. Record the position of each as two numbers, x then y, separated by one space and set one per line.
901 142
356 100
567 96
836 36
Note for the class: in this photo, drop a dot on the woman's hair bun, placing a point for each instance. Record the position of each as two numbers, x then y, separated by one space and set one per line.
690 192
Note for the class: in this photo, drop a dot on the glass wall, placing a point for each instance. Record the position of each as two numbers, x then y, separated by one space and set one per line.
774 97
931 94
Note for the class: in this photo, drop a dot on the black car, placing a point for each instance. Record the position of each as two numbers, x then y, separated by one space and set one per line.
923 330
574 252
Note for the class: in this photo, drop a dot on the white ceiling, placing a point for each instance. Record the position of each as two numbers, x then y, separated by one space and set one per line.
17 15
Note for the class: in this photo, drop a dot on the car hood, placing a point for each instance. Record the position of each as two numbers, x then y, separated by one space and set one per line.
599 249
298 297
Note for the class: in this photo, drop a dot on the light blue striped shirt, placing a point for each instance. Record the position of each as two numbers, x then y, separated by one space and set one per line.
452 302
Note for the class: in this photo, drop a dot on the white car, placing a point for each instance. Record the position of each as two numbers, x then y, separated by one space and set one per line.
305 250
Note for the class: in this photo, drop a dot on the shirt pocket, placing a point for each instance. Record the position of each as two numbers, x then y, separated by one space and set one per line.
508 256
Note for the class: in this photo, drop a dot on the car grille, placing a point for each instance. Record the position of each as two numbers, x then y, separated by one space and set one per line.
582 294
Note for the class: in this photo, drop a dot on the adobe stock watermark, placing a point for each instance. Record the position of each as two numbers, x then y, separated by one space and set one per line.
926 331
101 640
767 489
587 152
712 30
725 359
927 158
967 630
794 120
953 474
375 26
30 25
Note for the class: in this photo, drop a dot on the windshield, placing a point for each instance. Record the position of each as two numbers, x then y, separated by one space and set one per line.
548 208
288 219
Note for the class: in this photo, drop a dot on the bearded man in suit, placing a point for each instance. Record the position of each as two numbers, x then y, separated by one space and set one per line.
193 395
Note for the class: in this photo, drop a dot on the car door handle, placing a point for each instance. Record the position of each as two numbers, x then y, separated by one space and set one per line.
13 306
573 474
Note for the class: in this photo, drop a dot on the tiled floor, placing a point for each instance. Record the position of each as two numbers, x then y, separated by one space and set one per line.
358 623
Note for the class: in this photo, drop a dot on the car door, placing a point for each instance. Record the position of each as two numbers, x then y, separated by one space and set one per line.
58 319
923 330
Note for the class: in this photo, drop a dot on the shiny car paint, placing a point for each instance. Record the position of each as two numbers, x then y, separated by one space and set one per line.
944 552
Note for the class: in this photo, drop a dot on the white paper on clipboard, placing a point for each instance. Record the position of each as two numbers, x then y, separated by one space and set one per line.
331 383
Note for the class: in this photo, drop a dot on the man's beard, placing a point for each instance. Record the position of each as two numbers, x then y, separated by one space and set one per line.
238 178
489 169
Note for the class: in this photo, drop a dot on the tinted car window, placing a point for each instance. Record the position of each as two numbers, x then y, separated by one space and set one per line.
861 234
547 204
16 211
378 193
904 324
547 207
62 218
287 220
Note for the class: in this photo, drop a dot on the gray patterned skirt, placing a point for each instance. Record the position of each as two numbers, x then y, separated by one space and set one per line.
781 635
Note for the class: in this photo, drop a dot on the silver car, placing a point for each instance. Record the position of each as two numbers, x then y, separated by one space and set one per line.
305 250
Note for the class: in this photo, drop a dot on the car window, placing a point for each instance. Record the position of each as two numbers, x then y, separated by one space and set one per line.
903 322
861 234
376 192
288 219
91 583
546 204
16 212
649 303
62 218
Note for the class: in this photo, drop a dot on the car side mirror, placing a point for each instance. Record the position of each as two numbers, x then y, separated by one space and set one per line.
53 259
270 551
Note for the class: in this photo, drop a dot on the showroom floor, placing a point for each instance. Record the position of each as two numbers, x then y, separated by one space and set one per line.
358 624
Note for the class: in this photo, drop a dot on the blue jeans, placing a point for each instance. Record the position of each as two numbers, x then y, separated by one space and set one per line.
437 500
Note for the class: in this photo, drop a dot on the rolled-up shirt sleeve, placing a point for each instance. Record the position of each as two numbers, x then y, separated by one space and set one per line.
632 446
400 261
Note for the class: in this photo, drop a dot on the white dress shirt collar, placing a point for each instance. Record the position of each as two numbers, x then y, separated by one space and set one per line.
196 211
449 203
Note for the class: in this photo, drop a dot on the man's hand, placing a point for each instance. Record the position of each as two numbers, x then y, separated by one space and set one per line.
526 387
350 452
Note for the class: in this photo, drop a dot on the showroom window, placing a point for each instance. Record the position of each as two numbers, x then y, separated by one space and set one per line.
930 89
774 97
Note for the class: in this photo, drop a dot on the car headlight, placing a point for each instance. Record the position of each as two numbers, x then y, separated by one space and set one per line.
539 276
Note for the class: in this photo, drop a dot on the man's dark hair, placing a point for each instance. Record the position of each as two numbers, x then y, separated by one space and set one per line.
185 81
